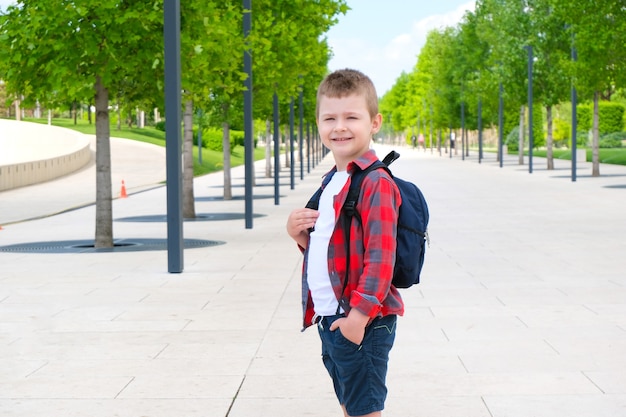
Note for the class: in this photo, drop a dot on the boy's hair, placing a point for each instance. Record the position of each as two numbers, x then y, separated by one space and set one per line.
345 82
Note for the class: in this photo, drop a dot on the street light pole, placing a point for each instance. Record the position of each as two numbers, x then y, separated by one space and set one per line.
530 109
247 115
173 104
480 130
574 119
500 122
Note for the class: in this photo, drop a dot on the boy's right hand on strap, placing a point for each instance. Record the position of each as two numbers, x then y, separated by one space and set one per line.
299 222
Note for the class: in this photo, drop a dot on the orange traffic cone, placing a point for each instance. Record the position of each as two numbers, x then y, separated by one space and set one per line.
123 191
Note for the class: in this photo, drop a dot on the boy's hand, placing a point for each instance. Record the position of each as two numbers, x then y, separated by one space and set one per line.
299 222
352 327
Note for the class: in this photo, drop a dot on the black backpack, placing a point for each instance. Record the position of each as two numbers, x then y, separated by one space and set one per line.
412 232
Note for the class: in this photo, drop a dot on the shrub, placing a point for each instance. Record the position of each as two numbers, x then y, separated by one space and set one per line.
512 126
610 117
561 130
612 140
582 138
212 139
512 140
539 135
160 126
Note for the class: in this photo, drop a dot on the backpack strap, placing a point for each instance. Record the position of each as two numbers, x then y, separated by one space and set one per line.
314 202
349 206
349 211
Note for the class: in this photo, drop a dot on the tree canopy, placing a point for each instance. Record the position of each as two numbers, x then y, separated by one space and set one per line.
467 63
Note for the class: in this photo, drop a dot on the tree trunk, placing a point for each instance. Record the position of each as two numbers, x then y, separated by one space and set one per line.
550 144
119 116
228 191
189 211
268 148
595 170
104 209
18 113
520 141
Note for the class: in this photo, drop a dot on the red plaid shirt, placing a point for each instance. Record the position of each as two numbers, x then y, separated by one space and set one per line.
372 246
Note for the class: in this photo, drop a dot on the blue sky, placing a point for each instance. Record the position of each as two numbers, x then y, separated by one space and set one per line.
382 38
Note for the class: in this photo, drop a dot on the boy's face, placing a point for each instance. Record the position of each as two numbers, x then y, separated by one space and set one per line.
346 127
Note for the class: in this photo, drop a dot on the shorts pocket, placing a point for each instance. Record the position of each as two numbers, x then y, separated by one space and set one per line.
340 339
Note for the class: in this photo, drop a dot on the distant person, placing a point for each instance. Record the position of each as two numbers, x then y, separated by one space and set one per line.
420 142
355 310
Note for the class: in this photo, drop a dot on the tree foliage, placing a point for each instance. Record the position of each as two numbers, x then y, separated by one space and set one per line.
466 63
110 52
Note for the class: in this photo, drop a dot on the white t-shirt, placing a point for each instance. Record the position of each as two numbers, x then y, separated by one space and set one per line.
324 299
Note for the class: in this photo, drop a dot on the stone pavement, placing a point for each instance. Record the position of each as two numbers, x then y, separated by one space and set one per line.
521 312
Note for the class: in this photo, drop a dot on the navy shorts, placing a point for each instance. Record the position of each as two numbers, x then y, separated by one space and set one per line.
359 371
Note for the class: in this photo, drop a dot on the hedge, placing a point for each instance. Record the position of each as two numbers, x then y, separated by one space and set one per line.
610 115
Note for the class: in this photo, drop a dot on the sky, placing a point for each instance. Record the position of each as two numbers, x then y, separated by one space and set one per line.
382 38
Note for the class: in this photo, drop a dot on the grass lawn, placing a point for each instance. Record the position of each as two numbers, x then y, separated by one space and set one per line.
212 161
616 156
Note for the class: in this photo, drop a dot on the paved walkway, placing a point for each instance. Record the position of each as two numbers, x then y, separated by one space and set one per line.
522 309
139 165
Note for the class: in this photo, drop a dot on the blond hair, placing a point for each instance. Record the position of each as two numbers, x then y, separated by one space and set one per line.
345 82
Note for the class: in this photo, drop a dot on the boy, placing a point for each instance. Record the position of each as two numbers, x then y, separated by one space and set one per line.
356 318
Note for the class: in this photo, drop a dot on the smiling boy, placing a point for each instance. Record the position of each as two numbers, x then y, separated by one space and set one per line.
351 300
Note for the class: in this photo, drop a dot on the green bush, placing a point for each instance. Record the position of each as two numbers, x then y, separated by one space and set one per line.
237 138
212 139
539 138
612 140
539 135
610 117
582 138
160 126
512 140
511 125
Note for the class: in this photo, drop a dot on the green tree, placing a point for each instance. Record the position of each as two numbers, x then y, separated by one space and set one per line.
598 28
290 54
84 49
212 48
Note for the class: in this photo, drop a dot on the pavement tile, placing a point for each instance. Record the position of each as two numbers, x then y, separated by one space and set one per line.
521 309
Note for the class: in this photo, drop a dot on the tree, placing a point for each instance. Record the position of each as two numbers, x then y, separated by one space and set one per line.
212 49
84 49
598 28
290 53
551 47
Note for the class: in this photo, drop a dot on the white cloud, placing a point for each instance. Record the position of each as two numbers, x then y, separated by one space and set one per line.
385 63
6 3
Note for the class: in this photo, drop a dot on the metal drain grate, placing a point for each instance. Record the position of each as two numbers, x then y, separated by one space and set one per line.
203 217
87 246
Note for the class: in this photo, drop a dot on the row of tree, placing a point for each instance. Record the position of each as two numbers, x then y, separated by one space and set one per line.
575 44
111 51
